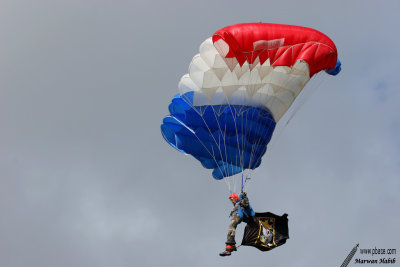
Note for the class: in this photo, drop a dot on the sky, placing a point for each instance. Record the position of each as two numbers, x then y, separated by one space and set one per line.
86 178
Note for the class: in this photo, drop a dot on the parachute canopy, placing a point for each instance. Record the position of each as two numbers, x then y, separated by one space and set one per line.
242 82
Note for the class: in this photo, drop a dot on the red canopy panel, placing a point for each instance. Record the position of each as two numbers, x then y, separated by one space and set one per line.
282 44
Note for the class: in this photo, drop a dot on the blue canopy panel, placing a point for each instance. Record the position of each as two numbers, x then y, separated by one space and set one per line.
226 138
336 69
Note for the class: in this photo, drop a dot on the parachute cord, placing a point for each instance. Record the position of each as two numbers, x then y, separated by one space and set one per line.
261 138
237 138
257 143
215 141
201 142
319 80
236 129
228 184
301 99
218 144
241 189
224 136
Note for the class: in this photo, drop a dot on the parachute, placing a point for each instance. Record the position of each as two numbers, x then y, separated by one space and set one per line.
244 79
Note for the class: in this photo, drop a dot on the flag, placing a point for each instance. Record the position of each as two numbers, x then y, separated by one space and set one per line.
266 231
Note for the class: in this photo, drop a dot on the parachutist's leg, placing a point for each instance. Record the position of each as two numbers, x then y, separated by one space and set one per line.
230 239
232 229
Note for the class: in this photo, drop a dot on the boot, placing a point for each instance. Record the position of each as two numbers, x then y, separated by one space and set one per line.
228 250
225 253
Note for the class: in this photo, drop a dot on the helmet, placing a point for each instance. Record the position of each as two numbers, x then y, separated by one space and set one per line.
234 197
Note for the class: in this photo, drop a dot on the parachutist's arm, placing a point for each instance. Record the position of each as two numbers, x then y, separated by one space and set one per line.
244 201
235 208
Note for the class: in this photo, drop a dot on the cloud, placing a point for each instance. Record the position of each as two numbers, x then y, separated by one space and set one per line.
87 180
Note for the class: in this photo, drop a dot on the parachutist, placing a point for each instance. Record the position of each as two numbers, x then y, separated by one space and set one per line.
287 57
241 211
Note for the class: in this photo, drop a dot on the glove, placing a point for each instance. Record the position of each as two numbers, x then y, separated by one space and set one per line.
244 202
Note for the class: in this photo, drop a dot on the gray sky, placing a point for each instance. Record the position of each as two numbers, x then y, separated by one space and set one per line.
87 180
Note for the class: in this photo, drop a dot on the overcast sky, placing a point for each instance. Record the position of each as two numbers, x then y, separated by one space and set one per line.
86 178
